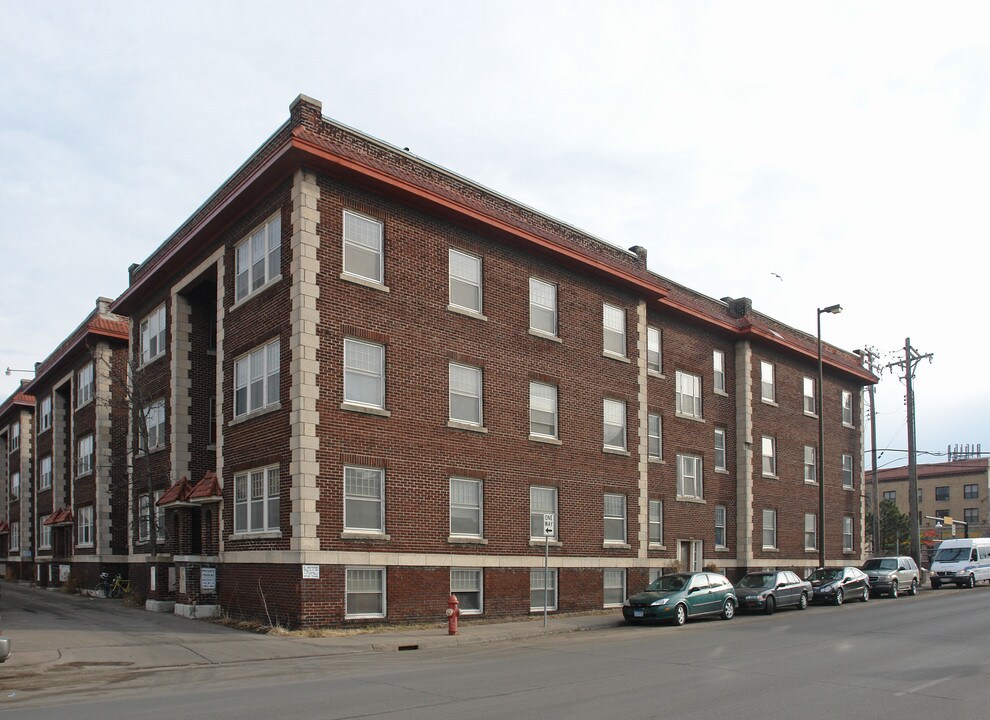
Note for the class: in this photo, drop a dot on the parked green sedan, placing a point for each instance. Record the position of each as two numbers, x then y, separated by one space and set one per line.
675 598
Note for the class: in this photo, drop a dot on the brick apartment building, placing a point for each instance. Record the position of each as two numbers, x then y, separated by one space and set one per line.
365 379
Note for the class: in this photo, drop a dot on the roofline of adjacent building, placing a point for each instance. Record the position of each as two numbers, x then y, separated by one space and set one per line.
947 468
18 398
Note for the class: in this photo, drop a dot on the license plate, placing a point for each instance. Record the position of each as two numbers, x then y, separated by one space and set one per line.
637 613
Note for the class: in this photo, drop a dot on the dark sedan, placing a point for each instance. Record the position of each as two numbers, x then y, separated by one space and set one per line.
771 589
836 585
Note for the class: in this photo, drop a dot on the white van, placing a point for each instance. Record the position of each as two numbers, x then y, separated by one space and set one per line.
965 562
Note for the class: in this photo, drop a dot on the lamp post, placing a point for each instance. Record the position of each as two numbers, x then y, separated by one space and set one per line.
833 310
10 370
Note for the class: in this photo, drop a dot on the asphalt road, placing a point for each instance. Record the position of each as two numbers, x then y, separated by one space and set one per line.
920 657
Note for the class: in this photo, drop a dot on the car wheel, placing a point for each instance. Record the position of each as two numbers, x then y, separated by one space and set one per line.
839 596
935 584
971 582
680 615
893 589
803 602
914 588
770 606
866 594
728 610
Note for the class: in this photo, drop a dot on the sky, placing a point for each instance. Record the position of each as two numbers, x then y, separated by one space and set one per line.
799 154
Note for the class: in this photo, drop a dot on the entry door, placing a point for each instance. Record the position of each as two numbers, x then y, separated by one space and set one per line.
689 554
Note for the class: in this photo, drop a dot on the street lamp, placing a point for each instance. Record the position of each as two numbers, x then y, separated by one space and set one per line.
832 310
10 370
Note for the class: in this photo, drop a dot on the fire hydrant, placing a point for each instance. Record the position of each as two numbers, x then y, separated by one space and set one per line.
453 612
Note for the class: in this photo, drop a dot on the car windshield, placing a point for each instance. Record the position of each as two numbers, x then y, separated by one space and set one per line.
757 580
668 583
881 564
826 575
952 555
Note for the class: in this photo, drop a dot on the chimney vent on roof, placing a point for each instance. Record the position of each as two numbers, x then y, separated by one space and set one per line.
640 253
306 111
738 307
130 273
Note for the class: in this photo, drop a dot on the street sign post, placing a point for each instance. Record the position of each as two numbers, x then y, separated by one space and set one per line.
549 530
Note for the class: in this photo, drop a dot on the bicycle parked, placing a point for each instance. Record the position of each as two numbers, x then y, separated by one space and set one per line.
114 587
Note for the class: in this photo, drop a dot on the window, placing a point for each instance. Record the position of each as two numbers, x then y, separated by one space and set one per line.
653 357
44 533
364 593
769 529
688 394
847 533
364 373
153 336
810 465
614 582
768 391
971 515
542 409
654 436
971 492
543 589
718 363
467 586
84 385
890 495
689 477
847 408
46 414
364 499
720 449
655 522
720 526
542 307
919 496
615 518
465 507
542 500
84 526
465 394
810 531
144 517
15 535
615 424
940 513
154 417
808 390
257 260
614 324
45 480
769 455
15 437
847 471
363 247
465 280
84 456
941 493
15 485
256 500
256 379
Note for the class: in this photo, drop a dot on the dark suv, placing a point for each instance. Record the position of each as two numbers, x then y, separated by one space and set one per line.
891 575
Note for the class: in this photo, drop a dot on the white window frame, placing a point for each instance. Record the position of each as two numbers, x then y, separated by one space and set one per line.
537 589
542 306
44 533
461 503
153 334
654 433
654 350
810 464
466 271
768 386
45 473
847 408
769 526
847 533
720 453
371 368
355 497
259 272
355 585
15 485
542 406
248 495
85 385
537 508
46 413
720 517
690 482
85 455
613 587
154 418
655 523
768 452
363 234
613 330
476 394
613 416
270 380
464 583
718 371
810 531
808 395
615 518
848 478
14 441
15 535
687 395
84 526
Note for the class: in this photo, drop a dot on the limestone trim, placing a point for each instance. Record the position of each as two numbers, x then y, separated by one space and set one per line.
218 394
102 460
744 453
643 545
180 414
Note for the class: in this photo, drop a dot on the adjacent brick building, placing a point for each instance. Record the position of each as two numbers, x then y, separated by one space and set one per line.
367 379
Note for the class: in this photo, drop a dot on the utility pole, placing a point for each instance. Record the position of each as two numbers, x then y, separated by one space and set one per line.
869 354
911 358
